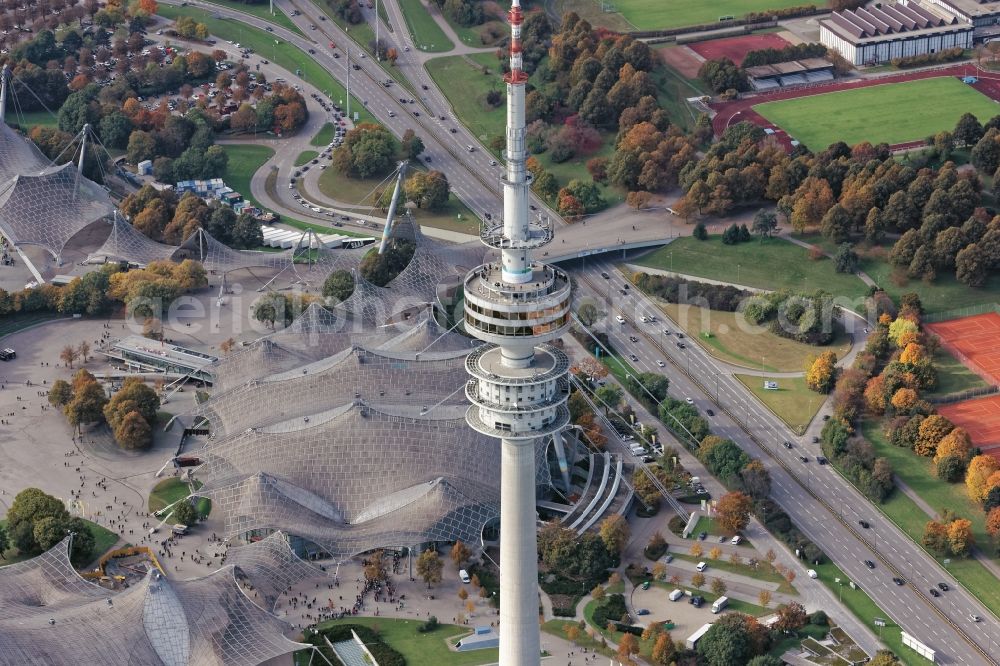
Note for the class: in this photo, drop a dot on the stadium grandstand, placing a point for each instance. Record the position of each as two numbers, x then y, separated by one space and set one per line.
792 73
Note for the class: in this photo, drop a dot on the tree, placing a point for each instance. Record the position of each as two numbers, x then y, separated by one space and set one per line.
846 259
338 286
698 580
68 355
821 373
764 223
184 513
993 524
756 480
728 641
412 145
428 190
791 617
587 313
718 586
764 598
638 200
932 430
734 511
715 552
696 550
956 443
968 130
884 658
60 394
598 592
699 232
664 649
981 468
459 554
133 432
572 633
609 395
972 265
429 567
141 146
629 643
960 537
614 532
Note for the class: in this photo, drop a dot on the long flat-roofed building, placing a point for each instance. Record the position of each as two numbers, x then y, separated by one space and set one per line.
868 36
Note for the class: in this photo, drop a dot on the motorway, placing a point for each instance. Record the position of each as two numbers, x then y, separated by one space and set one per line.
821 503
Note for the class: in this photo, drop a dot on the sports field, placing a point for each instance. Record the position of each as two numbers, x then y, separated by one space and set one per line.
736 48
981 418
974 339
892 113
657 14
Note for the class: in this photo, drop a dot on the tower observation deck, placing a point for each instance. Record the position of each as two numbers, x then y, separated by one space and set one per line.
519 386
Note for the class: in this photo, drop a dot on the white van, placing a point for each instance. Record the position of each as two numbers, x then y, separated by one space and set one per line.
676 594
471 148
736 540
719 604
701 566
620 319
464 575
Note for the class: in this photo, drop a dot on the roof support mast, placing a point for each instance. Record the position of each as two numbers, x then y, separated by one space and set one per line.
392 208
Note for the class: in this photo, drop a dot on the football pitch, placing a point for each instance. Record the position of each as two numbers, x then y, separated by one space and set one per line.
892 113
659 14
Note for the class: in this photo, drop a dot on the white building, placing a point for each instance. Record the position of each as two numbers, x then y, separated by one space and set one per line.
984 15
876 35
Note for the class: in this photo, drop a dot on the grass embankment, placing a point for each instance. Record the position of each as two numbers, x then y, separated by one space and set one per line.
764 571
656 14
261 11
427 34
953 377
429 649
265 45
324 136
305 157
361 192
731 338
171 490
820 120
864 608
918 475
672 91
17 322
792 401
773 264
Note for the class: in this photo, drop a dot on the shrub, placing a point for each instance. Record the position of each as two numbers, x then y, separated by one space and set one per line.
430 625
612 609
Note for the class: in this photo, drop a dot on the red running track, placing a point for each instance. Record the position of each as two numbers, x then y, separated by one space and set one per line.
741 109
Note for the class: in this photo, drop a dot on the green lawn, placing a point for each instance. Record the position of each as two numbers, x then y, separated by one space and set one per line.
953 376
730 338
466 87
864 608
104 539
657 14
261 11
430 649
30 119
754 264
324 136
763 572
170 490
244 161
820 120
13 323
282 54
359 191
792 402
576 167
427 35
305 157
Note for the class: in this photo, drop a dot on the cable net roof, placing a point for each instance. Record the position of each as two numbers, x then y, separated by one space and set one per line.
271 567
126 243
50 207
359 476
221 258
52 616
18 155
352 374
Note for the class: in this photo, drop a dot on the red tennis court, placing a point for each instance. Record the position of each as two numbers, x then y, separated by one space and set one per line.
973 340
736 48
981 417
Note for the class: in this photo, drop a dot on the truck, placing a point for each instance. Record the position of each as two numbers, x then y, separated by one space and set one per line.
179 529
676 594
719 604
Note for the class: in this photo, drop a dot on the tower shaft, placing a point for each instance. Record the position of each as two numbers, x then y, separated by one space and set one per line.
519 388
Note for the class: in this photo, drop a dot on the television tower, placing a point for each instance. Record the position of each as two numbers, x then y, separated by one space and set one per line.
519 387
